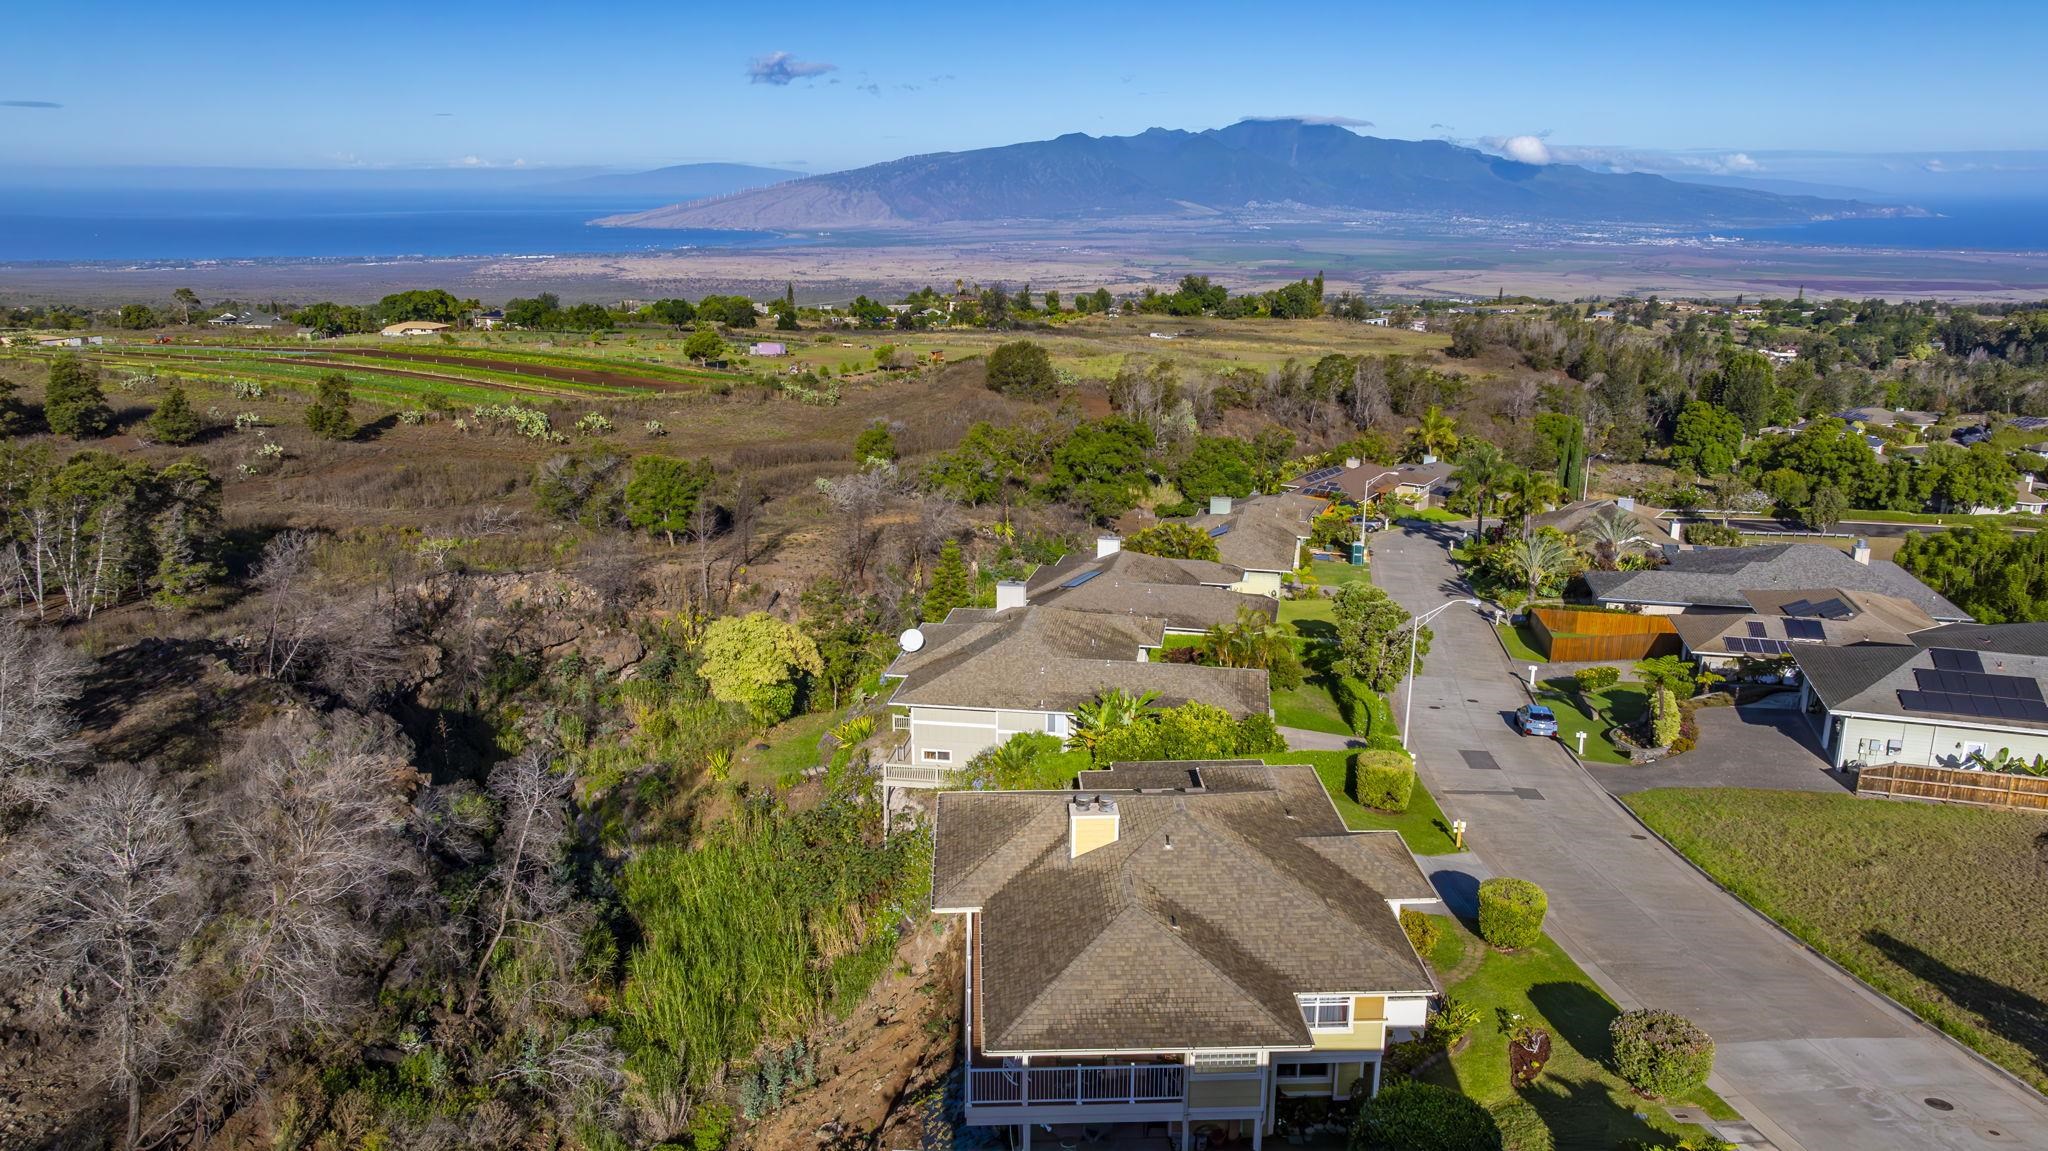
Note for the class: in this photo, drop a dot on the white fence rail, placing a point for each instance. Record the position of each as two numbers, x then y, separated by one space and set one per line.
915 775
1075 1086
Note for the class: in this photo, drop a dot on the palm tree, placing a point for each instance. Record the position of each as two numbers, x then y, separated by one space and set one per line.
1106 712
1538 558
1481 470
1530 494
1253 641
1609 535
1436 434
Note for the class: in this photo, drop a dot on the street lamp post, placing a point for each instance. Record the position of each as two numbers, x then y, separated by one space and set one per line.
1408 704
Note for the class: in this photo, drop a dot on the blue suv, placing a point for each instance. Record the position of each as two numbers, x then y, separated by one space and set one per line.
1535 719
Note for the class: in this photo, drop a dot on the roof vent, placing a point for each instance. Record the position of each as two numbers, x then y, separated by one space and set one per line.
1353 462
1861 552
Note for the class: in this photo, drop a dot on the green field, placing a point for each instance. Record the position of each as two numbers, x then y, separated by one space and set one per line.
1942 908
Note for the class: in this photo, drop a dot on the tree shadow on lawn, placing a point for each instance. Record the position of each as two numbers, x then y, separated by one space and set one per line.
2005 1011
1579 1015
1315 629
1586 1113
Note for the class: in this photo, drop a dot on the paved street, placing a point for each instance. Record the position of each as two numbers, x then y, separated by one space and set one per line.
1813 1059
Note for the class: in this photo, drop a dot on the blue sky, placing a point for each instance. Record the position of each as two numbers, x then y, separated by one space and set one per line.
633 85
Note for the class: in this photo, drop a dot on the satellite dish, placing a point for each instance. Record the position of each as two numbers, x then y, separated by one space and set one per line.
910 640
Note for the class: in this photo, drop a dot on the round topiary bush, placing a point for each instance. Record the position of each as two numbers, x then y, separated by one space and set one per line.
1423 930
1521 1128
1660 1054
1423 1117
1511 912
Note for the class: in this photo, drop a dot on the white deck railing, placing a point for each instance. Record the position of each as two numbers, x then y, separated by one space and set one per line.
1074 1086
915 775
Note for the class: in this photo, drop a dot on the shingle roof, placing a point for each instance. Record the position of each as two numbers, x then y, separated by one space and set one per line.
1574 516
1873 683
1719 577
1190 595
1140 945
1872 618
2016 638
1263 533
1053 659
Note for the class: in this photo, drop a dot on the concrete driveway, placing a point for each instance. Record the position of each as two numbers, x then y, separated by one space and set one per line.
1810 1056
1757 746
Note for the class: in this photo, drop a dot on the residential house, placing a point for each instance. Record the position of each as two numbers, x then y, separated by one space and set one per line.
1376 321
487 320
1956 692
1881 417
1190 596
1780 620
1723 578
415 328
1171 949
1261 536
768 348
2028 497
70 341
1653 524
986 674
1781 356
1424 484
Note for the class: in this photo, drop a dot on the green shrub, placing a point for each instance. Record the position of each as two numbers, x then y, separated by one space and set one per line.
1522 1128
1423 930
1511 912
1423 1117
1452 1019
710 1126
1664 726
1660 1054
1382 780
1596 679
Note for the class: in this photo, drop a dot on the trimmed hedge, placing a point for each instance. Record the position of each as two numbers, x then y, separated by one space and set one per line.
1382 780
1423 1117
1596 679
1660 1054
1423 930
1511 912
1522 1128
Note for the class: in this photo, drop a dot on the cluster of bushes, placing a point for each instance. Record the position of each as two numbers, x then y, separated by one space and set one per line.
1382 780
1424 1117
1190 731
1661 1054
1511 912
1594 680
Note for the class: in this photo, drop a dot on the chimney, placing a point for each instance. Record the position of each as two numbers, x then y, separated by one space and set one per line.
1091 823
1428 460
1219 505
1625 503
1678 530
1351 462
1861 552
1010 593
1106 546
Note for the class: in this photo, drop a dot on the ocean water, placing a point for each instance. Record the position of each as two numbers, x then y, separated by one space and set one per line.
2017 225
78 225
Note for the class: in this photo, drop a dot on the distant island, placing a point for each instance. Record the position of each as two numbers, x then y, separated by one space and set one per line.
1164 174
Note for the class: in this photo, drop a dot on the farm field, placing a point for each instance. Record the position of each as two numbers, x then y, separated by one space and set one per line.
1938 907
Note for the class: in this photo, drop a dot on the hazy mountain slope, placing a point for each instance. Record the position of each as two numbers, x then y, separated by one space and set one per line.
682 180
1160 171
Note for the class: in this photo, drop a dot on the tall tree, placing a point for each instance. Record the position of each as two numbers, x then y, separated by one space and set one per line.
1373 633
328 416
174 422
73 404
951 586
1482 470
663 493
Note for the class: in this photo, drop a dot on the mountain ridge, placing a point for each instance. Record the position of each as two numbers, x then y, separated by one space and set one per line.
1173 172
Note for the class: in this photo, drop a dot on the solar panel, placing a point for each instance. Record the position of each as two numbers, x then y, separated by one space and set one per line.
1798 607
1757 629
1084 577
1220 529
1951 659
1774 646
1977 684
1833 609
1804 629
1735 643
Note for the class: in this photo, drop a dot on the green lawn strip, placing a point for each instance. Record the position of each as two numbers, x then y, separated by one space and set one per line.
1619 705
1582 1102
1332 574
1520 642
1423 826
1310 617
1429 516
792 747
1311 707
305 378
1939 907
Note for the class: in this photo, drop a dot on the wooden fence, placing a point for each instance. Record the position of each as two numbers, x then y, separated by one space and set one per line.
1585 636
1948 785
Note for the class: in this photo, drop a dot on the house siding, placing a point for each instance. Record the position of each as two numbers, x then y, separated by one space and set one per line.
1259 583
1930 744
1205 1092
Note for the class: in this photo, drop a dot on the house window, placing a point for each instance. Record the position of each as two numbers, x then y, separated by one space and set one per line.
1056 723
1319 1071
1326 1012
1214 1060
936 755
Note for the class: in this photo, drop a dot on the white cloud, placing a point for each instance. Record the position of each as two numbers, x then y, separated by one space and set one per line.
1524 149
780 68
1539 150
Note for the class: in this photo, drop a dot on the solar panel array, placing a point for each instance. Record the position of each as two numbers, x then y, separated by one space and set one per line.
1084 577
2029 423
1320 475
1756 628
1808 630
1958 685
1750 646
1826 609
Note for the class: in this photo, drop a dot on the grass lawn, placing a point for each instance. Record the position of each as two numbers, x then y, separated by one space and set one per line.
1310 707
1520 642
792 747
1938 907
1582 1103
1330 573
1310 617
1423 826
1430 515
1621 704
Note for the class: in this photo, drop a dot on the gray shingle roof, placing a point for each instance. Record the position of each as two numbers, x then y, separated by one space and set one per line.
1052 659
1264 532
1870 683
1719 577
1143 944
1190 595
2016 638
1873 618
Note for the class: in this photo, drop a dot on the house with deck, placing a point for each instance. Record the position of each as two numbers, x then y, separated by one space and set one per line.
1119 987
